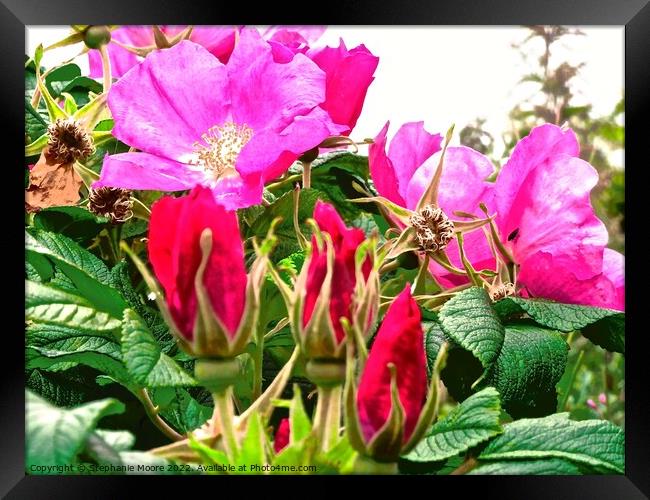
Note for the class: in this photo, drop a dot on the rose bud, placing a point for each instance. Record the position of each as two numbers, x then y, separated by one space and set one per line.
391 409
337 283
282 435
196 251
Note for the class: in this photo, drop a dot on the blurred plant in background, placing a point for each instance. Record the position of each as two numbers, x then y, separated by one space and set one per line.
591 370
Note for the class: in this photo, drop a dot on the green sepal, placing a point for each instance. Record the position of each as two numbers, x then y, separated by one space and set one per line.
386 444
430 195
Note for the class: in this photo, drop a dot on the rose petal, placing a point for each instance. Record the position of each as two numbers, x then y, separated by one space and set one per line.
349 74
269 95
181 93
146 171
382 170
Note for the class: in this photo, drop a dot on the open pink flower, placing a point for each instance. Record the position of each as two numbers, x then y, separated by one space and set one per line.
545 218
544 214
229 127
219 40
399 341
403 174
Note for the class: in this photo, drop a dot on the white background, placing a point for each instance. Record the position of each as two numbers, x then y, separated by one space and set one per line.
446 75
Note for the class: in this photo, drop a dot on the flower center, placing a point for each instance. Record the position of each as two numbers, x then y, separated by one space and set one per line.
433 228
501 291
69 141
221 147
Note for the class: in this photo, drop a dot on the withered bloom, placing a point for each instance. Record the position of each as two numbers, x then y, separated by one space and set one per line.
114 203
53 181
433 229
69 141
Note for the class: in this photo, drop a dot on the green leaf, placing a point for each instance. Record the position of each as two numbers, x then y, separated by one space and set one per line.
469 320
143 358
89 274
548 467
59 78
531 363
76 223
50 305
473 421
67 388
49 346
299 423
604 327
36 122
118 440
335 174
180 409
53 341
55 436
291 263
434 337
283 207
596 443
254 443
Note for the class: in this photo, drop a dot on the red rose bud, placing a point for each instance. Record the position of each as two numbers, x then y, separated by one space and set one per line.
329 285
282 435
349 73
393 386
197 255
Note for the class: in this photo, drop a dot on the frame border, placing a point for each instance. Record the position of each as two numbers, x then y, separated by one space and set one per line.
634 14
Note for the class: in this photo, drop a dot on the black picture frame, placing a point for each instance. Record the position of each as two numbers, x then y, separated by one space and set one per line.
633 14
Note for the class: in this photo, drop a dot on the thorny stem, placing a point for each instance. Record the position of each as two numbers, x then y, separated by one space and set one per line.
223 418
152 413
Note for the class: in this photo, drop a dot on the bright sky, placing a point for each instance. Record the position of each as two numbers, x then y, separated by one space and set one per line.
446 75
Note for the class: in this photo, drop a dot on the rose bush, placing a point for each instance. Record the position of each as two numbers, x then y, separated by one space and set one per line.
203 230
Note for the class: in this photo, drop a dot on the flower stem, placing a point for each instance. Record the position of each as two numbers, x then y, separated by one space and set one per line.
327 417
152 413
366 465
222 419
257 366
306 175
469 464
106 67
565 396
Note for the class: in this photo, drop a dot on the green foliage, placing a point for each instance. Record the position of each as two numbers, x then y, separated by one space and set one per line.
595 443
473 421
548 467
56 436
470 321
76 223
527 370
604 327
144 360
